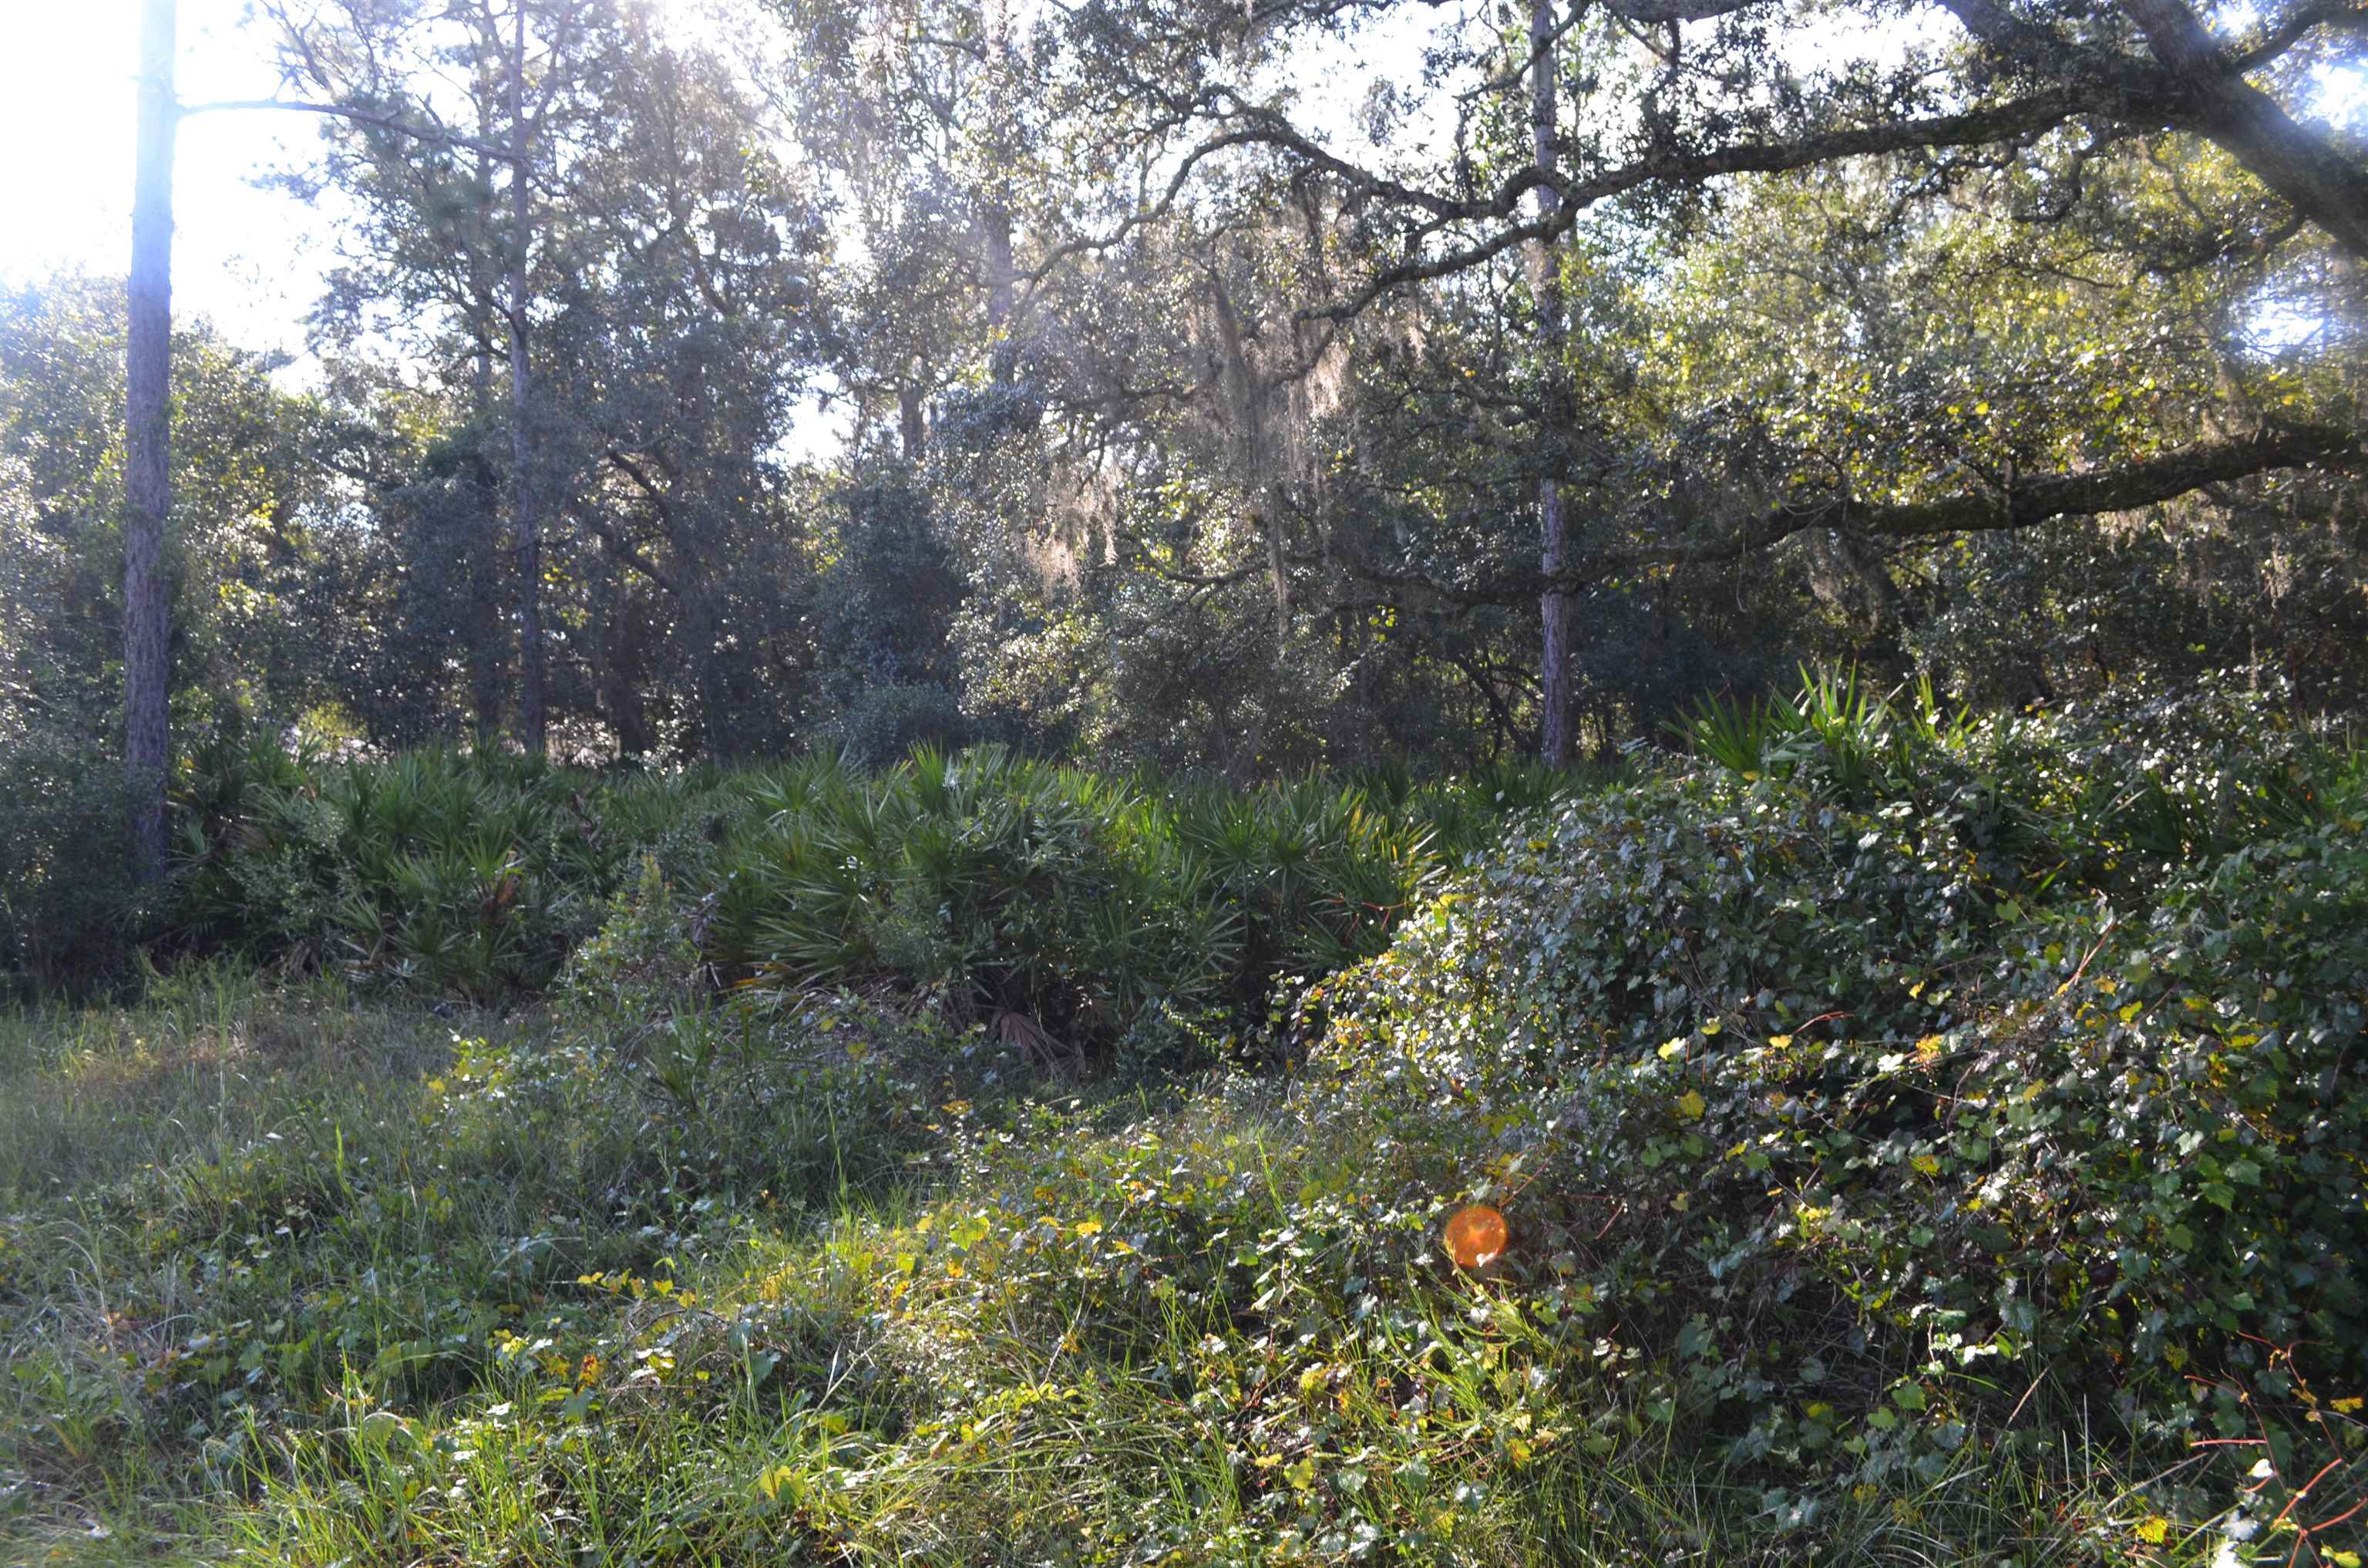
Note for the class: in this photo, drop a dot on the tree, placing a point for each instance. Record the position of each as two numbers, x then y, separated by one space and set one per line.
148 500
692 315
1546 287
1677 106
384 74
148 497
254 552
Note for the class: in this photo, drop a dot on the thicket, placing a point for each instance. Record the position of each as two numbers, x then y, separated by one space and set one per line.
1904 1082
1057 904
1923 1139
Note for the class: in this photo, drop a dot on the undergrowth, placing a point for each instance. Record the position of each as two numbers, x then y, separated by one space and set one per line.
1077 909
1923 1141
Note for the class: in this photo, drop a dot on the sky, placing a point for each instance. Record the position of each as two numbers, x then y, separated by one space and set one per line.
250 259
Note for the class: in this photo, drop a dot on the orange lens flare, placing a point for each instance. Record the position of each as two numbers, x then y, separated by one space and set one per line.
1474 1236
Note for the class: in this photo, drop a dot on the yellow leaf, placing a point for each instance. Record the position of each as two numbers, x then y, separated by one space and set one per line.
2346 1407
1690 1104
2155 1531
1091 1227
1780 1040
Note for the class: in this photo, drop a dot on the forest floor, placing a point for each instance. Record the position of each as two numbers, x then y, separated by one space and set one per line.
292 1276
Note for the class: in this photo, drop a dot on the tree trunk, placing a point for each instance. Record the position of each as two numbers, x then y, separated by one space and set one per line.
719 734
1545 283
148 477
1277 568
532 722
488 664
628 713
1003 352
911 422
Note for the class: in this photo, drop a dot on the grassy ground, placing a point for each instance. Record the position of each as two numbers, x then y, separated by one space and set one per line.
288 1275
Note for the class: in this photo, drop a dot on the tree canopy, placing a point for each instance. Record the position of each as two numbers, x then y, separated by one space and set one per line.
1244 388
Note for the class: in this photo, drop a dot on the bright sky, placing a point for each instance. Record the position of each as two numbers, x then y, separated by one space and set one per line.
251 259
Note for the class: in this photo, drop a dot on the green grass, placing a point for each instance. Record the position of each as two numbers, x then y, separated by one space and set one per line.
288 1275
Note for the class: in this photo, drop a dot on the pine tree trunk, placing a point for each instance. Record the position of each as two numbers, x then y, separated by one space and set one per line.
148 478
1545 283
488 665
533 724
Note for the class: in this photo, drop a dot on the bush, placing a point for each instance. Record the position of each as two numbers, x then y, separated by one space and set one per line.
1855 1125
882 725
467 874
1067 907
71 905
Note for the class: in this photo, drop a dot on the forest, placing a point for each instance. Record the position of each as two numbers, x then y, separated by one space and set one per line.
1011 782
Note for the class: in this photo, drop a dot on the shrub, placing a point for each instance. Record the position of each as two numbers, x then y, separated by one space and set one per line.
1854 1128
1066 906
70 906
464 874
1061 903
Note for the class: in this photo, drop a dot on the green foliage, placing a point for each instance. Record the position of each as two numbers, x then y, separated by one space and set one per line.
289 1278
1913 1151
252 1205
886 601
1864 1117
1064 905
470 875
644 962
1857 742
252 562
1885 1185
71 907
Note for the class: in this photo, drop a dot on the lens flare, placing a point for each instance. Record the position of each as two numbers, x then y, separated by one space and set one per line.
1474 1236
